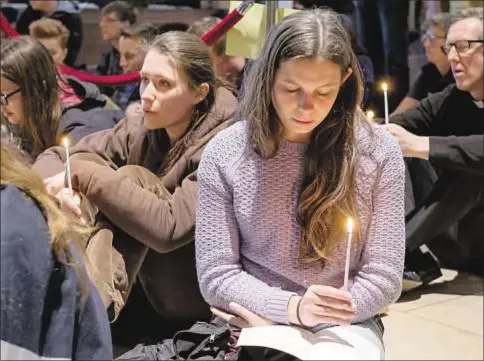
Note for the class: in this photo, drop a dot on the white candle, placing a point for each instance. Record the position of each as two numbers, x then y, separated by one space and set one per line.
65 141
349 228
385 98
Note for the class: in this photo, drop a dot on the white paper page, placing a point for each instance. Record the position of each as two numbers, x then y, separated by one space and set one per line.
337 343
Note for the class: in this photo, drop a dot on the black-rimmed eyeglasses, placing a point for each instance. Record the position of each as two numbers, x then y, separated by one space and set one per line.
4 97
461 46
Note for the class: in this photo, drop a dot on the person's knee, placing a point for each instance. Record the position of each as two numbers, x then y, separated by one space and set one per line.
144 178
131 171
89 157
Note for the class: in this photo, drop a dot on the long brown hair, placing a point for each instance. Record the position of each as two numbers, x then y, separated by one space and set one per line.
192 56
14 170
28 64
328 192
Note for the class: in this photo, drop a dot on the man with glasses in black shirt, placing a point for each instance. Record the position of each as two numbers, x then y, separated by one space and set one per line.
436 75
447 129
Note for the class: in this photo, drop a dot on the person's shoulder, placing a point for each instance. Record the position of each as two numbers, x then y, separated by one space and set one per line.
18 206
458 96
439 99
376 144
429 68
448 92
24 228
228 143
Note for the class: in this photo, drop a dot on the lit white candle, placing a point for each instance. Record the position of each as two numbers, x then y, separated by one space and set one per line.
65 141
370 115
349 228
384 86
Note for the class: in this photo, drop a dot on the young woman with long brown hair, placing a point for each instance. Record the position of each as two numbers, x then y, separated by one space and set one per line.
140 179
277 187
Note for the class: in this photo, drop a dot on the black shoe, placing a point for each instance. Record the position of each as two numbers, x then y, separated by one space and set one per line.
428 271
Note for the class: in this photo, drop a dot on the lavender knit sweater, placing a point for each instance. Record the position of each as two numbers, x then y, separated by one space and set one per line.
247 236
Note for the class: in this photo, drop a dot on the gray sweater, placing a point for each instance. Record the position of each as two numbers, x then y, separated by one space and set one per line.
247 236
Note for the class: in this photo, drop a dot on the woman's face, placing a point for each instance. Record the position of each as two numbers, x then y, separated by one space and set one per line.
166 96
12 101
304 92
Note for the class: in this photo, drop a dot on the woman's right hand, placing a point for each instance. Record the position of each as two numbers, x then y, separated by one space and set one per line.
322 304
55 183
70 203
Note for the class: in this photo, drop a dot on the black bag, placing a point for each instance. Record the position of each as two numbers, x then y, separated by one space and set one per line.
203 341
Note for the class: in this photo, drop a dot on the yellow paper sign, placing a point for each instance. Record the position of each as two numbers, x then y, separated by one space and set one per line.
247 37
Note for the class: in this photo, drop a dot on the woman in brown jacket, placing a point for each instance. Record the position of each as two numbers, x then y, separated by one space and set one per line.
138 184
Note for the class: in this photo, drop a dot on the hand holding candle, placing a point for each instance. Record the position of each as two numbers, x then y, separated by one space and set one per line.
384 86
349 228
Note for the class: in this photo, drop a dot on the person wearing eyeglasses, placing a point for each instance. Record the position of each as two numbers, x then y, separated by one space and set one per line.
447 129
40 105
436 74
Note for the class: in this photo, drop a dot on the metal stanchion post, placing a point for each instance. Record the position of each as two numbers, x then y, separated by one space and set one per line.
271 8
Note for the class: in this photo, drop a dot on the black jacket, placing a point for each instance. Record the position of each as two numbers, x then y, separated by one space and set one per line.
88 116
429 81
43 310
454 124
109 65
68 13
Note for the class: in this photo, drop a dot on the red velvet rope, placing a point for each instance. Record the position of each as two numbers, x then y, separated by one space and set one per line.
67 70
210 38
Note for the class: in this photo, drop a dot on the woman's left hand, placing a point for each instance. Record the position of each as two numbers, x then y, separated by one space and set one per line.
242 317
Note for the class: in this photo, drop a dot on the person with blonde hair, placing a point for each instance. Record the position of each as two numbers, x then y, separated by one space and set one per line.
53 35
49 308
67 12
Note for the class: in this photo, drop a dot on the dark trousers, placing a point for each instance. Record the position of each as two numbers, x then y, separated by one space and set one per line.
382 29
124 271
449 218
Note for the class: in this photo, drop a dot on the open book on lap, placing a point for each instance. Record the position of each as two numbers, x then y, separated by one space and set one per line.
354 342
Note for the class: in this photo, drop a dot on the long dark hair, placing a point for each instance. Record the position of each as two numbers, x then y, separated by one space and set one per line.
328 188
28 64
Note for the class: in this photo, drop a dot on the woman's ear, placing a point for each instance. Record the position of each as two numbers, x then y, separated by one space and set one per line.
201 93
347 75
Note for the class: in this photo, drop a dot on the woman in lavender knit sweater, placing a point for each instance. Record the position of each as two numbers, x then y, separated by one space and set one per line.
276 188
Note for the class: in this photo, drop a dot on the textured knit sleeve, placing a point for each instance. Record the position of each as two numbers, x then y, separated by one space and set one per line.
221 277
379 279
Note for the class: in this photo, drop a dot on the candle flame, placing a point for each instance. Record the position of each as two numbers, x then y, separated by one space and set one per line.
65 141
370 114
384 86
349 225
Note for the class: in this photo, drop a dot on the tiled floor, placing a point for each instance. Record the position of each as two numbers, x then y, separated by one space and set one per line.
441 322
